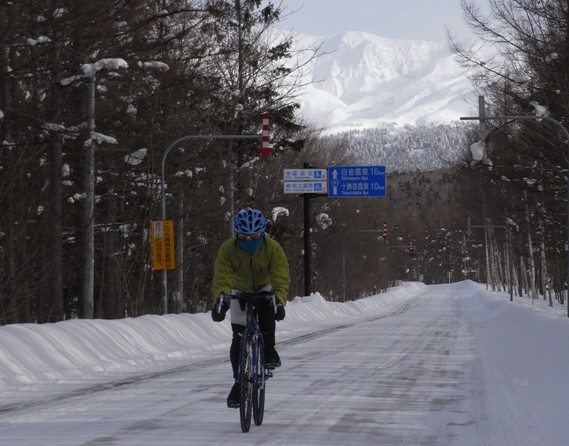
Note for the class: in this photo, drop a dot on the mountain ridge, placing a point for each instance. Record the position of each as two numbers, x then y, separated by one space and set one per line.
361 80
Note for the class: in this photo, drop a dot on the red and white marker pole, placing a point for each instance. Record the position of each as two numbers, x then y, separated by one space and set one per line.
266 148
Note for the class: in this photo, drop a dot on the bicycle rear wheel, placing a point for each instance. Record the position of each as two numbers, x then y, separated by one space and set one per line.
259 386
246 381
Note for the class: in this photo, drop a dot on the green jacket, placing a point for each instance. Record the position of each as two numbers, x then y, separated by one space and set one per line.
235 269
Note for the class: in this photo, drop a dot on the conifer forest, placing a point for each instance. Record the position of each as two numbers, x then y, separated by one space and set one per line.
93 93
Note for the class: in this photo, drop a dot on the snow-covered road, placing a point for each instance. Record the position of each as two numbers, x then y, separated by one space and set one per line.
435 367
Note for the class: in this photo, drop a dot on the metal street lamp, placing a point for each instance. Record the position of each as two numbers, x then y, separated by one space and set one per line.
163 191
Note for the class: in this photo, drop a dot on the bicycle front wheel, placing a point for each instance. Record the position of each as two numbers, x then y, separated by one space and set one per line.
246 381
259 386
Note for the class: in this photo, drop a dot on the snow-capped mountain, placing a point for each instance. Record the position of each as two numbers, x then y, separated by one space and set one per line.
365 81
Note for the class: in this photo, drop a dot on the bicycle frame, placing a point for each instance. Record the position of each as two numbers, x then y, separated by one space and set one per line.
252 374
254 331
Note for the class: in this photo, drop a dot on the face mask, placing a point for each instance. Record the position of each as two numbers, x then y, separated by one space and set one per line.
250 246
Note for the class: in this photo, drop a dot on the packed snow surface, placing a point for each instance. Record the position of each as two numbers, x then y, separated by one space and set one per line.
451 364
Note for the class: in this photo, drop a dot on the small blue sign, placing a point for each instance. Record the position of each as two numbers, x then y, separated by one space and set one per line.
304 174
356 181
305 187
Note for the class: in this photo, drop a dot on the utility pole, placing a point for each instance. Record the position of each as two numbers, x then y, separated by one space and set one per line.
179 301
89 209
306 219
55 289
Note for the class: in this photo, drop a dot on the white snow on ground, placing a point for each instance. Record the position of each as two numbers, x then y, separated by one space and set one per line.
66 353
432 365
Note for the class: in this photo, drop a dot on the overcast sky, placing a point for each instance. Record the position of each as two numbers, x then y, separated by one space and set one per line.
395 19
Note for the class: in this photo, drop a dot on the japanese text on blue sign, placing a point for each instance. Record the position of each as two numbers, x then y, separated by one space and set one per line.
356 181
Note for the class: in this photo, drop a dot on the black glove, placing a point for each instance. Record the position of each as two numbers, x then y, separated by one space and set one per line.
280 313
218 311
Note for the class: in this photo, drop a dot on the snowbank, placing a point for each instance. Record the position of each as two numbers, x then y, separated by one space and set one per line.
75 350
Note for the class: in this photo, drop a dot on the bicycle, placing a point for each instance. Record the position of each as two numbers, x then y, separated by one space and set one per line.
253 372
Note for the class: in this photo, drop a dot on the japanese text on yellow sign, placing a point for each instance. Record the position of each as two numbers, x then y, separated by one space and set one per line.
163 254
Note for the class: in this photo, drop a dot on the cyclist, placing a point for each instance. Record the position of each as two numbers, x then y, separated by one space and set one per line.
250 262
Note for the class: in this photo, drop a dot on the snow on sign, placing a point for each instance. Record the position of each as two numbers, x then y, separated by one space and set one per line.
356 181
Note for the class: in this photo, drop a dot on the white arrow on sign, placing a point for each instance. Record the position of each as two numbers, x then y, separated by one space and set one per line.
334 183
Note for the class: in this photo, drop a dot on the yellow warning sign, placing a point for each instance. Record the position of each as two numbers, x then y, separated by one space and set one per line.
163 253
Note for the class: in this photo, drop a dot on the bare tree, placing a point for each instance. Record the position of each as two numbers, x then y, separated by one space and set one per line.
520 60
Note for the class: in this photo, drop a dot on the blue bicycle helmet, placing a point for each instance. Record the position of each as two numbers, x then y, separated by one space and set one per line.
250 221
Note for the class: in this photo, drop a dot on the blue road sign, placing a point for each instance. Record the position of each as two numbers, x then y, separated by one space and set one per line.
356 181
305 187
304 174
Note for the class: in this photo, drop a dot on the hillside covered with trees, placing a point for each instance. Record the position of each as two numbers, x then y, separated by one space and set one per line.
92 94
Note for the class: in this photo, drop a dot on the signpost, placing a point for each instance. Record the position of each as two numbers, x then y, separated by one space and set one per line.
305 174
162 236
356 181
305 181
336 181
305 187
